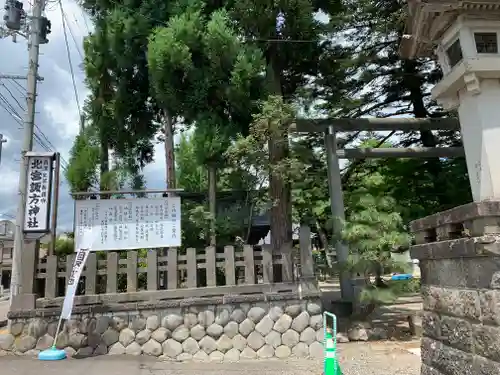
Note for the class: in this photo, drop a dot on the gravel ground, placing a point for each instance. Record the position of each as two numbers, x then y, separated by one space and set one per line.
356 359
379 358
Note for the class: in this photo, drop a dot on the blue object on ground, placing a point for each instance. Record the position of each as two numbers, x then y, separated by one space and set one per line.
52 354
402 276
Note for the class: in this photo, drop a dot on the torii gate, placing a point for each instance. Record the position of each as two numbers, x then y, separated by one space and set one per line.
330 127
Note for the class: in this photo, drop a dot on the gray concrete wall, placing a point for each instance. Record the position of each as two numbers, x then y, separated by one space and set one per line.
459 253
197 329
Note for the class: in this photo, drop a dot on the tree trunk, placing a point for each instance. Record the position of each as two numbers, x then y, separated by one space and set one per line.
379 282
212 201
104 167
279 188
169 151
104 153
428 139
104 163
326 246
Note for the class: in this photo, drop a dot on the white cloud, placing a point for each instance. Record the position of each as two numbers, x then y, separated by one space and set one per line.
57 111
155 171
9 181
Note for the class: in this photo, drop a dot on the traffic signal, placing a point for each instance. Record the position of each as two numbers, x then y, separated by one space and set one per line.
45 29
15 15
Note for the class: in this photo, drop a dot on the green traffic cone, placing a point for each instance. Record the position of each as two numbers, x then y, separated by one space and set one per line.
332 366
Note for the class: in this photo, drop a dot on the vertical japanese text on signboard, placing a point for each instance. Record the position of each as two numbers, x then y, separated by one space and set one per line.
38 189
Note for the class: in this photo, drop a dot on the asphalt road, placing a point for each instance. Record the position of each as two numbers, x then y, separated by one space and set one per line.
355 359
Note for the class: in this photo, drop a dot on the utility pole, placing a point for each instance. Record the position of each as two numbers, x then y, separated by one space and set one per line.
38 30
2 141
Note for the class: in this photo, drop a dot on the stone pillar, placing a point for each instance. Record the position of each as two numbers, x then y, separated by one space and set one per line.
27 298
459 254
308 285
478 112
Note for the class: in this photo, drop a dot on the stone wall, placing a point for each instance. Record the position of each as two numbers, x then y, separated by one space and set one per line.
208 329
459 253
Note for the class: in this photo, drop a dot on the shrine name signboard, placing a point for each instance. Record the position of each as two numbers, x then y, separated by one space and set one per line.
38 199
127 224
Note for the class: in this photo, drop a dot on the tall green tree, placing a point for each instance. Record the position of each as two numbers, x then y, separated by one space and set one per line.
290 36
387 85
120 106
207 75
202 70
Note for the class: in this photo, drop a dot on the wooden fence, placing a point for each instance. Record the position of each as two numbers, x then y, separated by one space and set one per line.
185 271
162 274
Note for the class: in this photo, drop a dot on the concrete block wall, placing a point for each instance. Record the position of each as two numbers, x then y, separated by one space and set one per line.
459 254
207 329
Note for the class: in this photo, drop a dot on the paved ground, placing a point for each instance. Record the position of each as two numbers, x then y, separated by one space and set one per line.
375 358
356 359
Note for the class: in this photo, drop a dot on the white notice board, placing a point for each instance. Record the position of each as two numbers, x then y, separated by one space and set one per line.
126 224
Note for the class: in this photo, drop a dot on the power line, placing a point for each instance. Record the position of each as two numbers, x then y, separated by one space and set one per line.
68 25
63 18
84 20
9 106
19 86
8 216
16 87
12 95
5 104
40 137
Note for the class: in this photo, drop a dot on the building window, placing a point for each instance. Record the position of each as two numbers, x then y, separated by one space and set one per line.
454 53
486 42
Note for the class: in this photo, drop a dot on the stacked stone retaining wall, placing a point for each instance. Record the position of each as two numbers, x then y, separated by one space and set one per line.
459 253
202 329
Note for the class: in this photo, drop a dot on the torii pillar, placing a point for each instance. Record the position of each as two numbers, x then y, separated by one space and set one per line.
459 250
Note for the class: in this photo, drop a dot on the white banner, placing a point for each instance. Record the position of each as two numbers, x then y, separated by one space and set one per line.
39 183
127 224
76 271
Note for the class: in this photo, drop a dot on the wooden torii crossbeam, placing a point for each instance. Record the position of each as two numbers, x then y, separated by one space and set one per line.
380 124
374 124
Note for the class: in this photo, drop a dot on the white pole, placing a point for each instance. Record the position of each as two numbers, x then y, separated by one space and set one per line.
57 332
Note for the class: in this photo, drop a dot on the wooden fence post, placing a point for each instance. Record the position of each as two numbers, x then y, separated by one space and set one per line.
210 264
152 269
112 272
229 265
192 279
172 276
249 264
267 264
131 271
51 277
308 283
